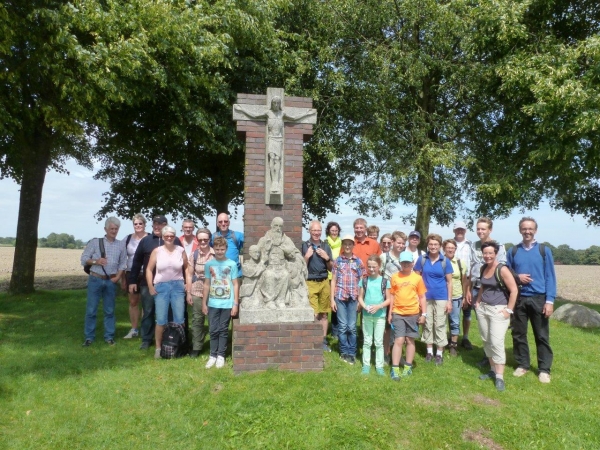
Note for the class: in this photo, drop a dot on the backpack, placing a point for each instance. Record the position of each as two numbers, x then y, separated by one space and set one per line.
87 267
388 260
501 282
383 285
233 238
173 341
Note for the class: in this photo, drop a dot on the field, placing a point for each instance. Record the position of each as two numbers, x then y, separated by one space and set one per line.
61 269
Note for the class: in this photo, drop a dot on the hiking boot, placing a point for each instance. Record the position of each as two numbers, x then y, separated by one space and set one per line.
544 377
133 333
194 353
484 362
466 344
500 387
453 351
366 370
486 376
406 372
519 372
439 360
87 343
211 362
429 357
110 342
220 362
395 373
380 371
145 345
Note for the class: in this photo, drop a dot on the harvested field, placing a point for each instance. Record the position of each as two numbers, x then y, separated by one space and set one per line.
61 269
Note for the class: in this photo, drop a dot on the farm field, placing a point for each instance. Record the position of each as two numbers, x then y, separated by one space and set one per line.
61 269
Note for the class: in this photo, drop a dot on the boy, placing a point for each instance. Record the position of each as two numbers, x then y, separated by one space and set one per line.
406 313
347 272
373 232
220 301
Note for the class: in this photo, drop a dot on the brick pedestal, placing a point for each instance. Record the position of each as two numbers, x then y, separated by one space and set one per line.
284 346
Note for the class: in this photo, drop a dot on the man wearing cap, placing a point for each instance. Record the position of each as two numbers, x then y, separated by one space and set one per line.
364 246
414 237
319 260
235 240
140 260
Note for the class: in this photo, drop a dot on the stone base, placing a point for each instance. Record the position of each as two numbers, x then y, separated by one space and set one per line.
285 346
254 316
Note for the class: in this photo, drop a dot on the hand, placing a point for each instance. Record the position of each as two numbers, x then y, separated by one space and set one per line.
132 288
322 253
114 279
449 307
189 299
525 278
234 310
468 297
204 309
152 290
421 320
505 313
548 309
309 252
333 307
102 261
390 320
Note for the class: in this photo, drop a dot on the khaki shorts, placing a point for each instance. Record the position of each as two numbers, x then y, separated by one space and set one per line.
318 296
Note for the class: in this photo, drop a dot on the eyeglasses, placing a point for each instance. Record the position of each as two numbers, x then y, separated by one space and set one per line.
203 240
138 224
168 236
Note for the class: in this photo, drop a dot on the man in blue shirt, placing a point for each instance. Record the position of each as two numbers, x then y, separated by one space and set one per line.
534 264
235 240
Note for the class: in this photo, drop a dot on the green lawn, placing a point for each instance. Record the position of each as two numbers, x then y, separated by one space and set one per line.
56 394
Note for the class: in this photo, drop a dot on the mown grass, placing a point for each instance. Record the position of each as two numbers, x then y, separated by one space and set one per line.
56 394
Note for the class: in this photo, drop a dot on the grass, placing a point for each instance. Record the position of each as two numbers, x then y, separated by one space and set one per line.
56 394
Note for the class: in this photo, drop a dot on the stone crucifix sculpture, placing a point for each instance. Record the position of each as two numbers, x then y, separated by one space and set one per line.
276 115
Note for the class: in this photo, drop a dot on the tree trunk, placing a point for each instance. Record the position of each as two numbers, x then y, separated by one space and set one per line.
36 158
425 195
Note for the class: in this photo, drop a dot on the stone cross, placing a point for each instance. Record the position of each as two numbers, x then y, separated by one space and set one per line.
276 114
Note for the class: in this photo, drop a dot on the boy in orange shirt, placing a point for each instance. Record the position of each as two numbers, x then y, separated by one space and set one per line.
407 312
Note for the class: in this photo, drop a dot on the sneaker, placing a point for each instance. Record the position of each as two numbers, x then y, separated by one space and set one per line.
87 343
220 362
519 372
366 370
380 371
211 362
145 345
132 334
395 373
486 376
350 359
406 372
326 348
439 360
500 385
429 357
453 351
544 377
110 341
484 362
157 353
466 344
194 353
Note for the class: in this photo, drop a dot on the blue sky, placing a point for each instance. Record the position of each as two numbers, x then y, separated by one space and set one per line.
69 203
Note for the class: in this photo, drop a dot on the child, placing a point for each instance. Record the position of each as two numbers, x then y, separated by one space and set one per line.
374 296
408 292
347 271
220 301
373 232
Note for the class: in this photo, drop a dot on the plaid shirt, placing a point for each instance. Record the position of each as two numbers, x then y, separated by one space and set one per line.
348 273
116 256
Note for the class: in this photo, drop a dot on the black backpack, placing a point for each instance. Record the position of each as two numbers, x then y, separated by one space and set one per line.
173 341
87 267
384 282
501 282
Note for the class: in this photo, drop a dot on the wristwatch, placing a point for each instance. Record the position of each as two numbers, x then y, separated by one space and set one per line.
94 262
508 310
424 315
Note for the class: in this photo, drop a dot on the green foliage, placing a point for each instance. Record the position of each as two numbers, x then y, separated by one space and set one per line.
7 241
62 240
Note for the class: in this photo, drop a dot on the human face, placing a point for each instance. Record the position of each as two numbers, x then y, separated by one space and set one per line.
223 223
433 247
360 231
138 226
188 228
111 231
169 238
483 231
399 245
528 229
414 241
203 240
450 250
372 268
220 251
385 244
315 232
347 247
157 227
406 267
374 236
489 255
459 234
334 232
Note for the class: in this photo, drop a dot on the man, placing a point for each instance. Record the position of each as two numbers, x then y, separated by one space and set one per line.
484 230
140 260
364 246
414 238
108 262
188 240
235 240
318 257
534 264
463 245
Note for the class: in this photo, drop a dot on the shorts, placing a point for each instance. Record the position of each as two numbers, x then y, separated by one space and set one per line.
405 326
127 283
319 295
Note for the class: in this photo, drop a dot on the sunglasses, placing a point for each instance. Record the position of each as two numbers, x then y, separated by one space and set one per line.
169 236
138 224
203 240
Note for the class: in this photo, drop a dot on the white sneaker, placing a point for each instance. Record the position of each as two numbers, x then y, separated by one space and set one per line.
544 377
211 362
132 333
519 372
220 362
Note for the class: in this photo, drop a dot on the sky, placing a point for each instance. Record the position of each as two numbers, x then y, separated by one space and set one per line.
69 203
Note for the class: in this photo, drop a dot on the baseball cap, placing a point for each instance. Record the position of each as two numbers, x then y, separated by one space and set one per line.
160 219
459 224
406 257
348 237
414 233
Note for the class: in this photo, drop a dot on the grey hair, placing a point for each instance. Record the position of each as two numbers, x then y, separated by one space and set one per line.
112 221
528 219
169 229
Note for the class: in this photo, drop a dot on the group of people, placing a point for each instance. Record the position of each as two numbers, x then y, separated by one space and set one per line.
394 285
398 287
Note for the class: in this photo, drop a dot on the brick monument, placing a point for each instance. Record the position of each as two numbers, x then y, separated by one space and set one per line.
275 128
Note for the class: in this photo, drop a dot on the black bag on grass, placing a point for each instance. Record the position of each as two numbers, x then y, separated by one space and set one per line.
173 341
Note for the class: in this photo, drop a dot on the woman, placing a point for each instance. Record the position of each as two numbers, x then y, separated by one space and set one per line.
386 243
459 280
170 262
493 308
332 231
131 243
195 288
436 271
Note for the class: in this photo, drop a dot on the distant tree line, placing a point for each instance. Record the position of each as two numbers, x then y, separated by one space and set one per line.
563 254
54 240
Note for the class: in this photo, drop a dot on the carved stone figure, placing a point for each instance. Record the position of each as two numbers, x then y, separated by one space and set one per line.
252 270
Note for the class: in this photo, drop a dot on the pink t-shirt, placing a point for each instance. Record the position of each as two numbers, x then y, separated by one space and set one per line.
169 265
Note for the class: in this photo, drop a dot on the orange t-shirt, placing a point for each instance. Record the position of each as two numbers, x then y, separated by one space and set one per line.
365 249
406 290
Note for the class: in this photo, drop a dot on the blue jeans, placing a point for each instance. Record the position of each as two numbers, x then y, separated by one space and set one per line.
148 310
346 314
170 293
107 291
454 317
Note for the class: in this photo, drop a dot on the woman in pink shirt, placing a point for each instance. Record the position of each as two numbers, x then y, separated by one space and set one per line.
170 262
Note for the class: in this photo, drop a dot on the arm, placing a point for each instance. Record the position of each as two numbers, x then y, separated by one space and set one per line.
449 287
423 306
361 297
188 284
509 282
387 300
249 111
236 297
333 282
205 292
149 269
136 265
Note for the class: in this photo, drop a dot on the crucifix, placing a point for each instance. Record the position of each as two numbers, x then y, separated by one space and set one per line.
276 115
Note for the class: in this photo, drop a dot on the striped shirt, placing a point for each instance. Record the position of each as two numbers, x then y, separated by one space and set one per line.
348 273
